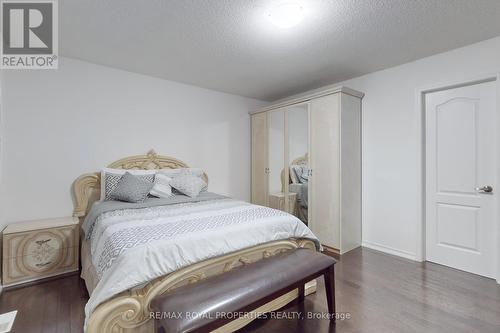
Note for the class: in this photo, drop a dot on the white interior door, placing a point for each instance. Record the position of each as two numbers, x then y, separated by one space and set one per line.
460 178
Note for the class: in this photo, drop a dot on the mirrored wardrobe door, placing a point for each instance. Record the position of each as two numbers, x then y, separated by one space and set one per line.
276 158
297 164
259 158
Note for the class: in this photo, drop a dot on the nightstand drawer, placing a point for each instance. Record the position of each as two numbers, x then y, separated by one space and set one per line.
38 249
39 242
36 266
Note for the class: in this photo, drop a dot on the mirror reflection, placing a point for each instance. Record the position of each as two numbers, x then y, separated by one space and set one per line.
276 162
298 164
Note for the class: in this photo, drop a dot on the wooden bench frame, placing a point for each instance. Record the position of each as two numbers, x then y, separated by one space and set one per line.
328 275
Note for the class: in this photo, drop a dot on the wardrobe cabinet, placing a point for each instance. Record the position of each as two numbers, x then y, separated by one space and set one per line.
306 151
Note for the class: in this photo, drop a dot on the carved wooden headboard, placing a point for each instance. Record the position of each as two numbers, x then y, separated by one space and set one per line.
87 187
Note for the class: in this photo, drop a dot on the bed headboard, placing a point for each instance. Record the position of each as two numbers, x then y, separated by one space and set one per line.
302 160
87 187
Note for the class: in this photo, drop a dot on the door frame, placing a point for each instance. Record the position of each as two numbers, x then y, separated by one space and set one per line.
420 93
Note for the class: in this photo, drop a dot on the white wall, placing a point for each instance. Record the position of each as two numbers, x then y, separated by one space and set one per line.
392 140
58 124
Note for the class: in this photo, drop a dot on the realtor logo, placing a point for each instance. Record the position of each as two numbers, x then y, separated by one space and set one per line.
29 34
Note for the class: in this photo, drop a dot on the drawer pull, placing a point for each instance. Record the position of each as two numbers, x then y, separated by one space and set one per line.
44 264
41 242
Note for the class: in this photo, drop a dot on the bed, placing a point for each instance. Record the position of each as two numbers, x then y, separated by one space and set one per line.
120 299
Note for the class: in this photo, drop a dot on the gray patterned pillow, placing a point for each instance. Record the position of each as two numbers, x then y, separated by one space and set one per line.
189 185
301 171
131 188
111 181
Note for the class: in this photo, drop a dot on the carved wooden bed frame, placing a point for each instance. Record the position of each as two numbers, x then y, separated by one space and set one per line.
129 311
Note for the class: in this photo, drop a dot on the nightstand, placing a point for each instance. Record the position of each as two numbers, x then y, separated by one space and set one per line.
277 201
38 249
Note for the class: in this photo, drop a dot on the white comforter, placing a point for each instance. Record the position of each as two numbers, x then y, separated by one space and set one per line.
130 247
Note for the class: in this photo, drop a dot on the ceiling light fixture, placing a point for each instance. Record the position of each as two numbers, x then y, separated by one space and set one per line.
286 14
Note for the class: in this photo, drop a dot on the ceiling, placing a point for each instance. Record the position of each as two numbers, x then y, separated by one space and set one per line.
231 45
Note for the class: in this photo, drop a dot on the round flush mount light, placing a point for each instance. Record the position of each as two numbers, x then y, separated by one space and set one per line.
286 14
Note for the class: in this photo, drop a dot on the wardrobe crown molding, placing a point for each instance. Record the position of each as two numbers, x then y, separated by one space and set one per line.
307 96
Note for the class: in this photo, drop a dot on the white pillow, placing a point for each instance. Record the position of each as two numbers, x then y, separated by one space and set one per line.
189 185
185 171
161 188
111 177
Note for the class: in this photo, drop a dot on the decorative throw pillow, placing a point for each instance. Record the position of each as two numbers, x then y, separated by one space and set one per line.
111 177
131 188
188 184
185 171
161 188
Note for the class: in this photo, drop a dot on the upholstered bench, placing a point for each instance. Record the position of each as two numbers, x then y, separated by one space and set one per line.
198 307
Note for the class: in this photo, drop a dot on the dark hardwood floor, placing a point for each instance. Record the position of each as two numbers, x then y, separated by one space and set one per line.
381 293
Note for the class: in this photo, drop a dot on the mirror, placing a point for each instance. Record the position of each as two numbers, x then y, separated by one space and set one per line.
298 161
276 159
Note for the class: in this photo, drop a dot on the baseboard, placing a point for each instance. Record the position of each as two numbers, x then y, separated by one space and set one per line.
331 249
39 280
389 250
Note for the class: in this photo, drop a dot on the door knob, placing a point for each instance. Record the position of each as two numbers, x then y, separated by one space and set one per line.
485 188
